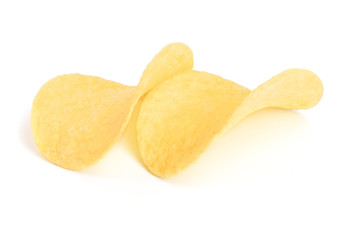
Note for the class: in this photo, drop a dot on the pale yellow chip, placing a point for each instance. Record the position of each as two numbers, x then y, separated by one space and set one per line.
292 89
173 59
181 116
76 118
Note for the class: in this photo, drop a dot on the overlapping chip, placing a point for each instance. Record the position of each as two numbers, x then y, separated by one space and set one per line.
76 118
180 117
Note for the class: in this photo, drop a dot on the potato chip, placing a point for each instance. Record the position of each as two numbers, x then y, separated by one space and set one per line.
292 89
76 118
173 59
181 116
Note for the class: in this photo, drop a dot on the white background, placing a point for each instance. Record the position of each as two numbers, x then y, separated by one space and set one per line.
277 175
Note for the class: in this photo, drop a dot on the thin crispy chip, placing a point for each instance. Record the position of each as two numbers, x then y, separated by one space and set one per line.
77 118
173 59
292 89
180 117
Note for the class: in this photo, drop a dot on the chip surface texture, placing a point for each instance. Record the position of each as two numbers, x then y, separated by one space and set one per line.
76 118
179 118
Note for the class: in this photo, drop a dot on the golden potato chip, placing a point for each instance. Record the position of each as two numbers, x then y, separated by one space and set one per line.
75 118
292 89
179 118
173 59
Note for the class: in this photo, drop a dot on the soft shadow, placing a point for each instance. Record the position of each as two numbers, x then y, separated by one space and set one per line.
25 135
231 151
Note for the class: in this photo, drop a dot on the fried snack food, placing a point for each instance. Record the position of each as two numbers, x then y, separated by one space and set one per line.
75 119
181 116
291 89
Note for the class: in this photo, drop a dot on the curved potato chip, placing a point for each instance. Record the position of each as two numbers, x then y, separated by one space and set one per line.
173 59
180 117
76 118
292 89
